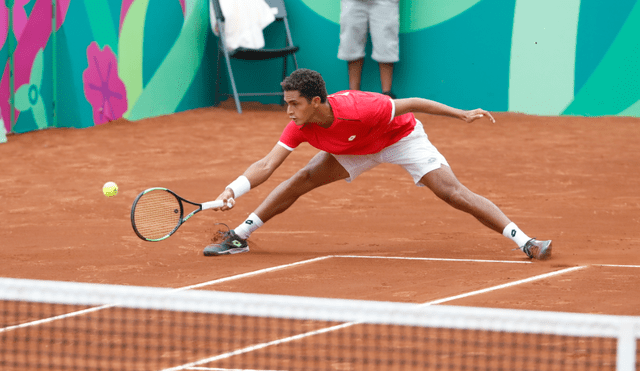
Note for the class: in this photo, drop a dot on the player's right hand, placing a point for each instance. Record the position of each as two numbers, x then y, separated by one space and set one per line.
227 196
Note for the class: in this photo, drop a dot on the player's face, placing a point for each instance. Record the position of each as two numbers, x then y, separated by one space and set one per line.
299 109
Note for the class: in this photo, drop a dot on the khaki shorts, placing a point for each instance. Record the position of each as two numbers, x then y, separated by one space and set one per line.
379 17
414 153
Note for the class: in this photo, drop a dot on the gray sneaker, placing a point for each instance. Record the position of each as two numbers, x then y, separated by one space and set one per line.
232 244
540 250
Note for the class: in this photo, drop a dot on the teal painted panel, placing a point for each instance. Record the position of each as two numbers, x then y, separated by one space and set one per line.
161 29
73 108
202 93
414 15
318 39
164 92
600 22
103 24
542 62
462 62
614 86
468 54
633 110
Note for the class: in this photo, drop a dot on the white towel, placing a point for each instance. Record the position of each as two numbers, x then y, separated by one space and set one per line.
244 22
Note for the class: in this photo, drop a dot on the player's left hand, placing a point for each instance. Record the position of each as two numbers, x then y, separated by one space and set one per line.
472 115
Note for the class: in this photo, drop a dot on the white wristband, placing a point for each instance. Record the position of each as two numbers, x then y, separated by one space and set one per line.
240 186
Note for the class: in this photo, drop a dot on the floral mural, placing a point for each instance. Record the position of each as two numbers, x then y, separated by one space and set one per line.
19 19
103 88
28 97
33 32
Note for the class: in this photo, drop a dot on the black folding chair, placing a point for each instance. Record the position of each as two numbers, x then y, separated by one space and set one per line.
254 54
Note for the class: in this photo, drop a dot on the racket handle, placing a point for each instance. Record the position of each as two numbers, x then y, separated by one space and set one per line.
217 203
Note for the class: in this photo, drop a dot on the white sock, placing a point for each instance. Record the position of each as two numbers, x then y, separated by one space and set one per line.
515 234
245 229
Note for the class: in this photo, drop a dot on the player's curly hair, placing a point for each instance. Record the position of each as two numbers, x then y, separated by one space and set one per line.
309 83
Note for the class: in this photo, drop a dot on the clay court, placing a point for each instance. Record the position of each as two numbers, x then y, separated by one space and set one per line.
570 179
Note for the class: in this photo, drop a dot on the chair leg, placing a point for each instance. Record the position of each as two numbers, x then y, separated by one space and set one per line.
290 40
218 77
236 97
284 76
223 46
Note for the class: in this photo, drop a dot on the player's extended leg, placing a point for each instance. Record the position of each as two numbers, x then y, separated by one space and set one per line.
322 169
446 186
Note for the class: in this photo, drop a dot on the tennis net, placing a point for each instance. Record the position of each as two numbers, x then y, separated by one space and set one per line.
77 326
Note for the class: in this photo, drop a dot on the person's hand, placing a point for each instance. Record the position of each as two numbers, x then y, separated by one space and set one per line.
227 197
471 116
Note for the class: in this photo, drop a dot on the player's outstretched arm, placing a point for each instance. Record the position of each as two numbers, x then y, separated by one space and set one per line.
435 108
256 174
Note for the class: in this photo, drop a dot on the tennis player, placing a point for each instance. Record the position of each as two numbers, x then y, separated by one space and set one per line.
356 131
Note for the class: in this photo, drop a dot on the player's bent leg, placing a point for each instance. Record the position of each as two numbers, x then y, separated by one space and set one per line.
447 187
322 169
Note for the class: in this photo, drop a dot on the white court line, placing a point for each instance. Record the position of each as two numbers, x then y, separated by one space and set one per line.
349 324
617 265
503 286
95 309
249 274
435 259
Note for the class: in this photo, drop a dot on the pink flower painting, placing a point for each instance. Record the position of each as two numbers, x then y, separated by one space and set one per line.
102 86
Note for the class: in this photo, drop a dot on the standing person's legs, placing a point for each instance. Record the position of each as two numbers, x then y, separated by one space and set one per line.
386 77
384 25
355 73
354 24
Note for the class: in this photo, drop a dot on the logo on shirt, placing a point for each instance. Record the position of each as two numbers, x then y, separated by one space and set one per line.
351 138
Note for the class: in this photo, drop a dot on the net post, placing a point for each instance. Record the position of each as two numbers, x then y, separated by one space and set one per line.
626 349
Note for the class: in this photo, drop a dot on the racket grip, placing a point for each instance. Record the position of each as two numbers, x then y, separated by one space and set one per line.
217 203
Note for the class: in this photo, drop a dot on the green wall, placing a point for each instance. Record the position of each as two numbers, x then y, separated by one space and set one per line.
543 57
94 61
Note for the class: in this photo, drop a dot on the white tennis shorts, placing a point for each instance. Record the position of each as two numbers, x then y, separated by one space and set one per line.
414 153
380 18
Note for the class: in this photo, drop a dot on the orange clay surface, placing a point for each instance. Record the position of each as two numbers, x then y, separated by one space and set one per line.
573 180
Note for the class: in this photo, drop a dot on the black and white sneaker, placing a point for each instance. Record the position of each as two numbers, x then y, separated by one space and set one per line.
232 244
535 249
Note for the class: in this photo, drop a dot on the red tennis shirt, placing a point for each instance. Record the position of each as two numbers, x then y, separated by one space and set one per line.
363 124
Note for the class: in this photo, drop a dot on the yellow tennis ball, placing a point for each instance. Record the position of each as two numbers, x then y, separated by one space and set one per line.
110 189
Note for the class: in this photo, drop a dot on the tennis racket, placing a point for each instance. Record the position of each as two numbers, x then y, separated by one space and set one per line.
157 213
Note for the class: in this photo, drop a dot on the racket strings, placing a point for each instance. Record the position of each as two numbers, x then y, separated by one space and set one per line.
157 214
